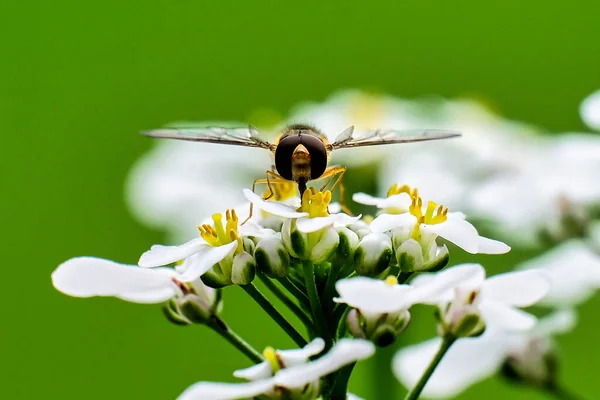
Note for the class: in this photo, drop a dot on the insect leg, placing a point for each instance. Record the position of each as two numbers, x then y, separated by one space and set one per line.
337 172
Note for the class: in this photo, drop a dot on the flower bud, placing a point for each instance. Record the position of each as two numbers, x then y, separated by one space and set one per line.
172 313
194 309
381 329
243 269
348 243
272 259
326 245
373 254
534 364
460 317
410 256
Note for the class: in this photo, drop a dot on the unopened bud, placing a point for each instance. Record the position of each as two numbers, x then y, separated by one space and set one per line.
348 243
461 318
243 269
361 228
410 256
194 309
172 313
373 254
381 329
272 259
535 364
326 245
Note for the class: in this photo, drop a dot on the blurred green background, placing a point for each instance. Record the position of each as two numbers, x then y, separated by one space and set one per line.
78 80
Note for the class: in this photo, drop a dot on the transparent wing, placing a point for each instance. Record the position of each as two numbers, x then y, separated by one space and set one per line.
350 138
248 137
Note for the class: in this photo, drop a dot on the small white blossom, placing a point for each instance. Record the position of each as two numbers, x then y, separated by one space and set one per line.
289 373
471 360
425 224
573 270
495 299
90 276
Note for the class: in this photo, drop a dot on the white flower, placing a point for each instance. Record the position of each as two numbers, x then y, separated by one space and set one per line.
398 200
290 372
495 299
90 276
217 244
471 360
590 110
573 271
424 224
524 201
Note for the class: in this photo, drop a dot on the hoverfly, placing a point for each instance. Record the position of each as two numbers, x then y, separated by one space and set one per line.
301 152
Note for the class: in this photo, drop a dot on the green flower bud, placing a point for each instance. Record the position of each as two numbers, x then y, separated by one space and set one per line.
381 329
409 256
172 313
194 309
272 259
373 254
348 243
243 269
326 245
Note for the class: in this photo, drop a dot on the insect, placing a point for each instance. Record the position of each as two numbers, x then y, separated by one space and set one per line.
301 152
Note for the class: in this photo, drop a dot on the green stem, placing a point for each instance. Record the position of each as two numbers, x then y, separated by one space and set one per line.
561 393
339 391
294 291
295 308
315 303
222 329
416 391
276 315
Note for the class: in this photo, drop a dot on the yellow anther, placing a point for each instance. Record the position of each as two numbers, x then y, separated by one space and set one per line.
434 214
315 203
396 189
280 191
416 207
271 356
217 235
234 236
391 280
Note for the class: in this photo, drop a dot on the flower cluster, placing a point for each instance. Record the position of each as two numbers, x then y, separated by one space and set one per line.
353 281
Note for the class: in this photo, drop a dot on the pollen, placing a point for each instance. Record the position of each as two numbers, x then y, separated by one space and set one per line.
391 280
217 234
315 203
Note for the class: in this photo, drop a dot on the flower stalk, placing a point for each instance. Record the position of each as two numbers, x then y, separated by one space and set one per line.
274 314
447 342
315 303
288 302
236 340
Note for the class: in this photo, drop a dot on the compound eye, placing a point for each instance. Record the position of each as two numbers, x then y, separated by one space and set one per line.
283 155
318 155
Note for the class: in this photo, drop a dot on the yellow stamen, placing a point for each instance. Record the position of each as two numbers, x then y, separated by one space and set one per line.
218 235
391 280
434 214
396 189
271 356
315 203
280 191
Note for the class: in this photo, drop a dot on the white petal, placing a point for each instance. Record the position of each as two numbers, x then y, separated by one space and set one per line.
351 396
256 372
439 287
372 295
308 225
205 259
521 289
458 231
162 255
89 276
557 322
226 391
499 316
334 208
490 246
294 357
399 202
573 270
366 199
467 362
272 207
386 222
342 353
590 110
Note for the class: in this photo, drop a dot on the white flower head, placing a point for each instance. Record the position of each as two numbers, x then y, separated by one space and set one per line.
398 200
425 224
496 300
219 244
471 360
90 277
289 373
573 271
